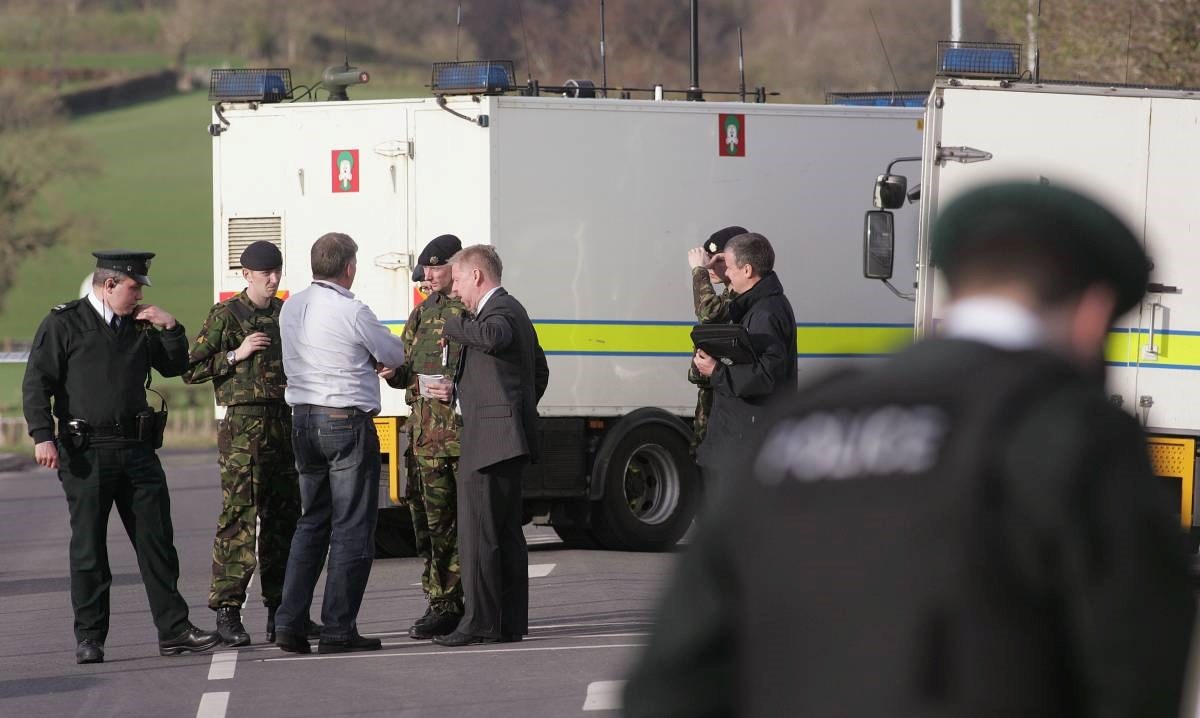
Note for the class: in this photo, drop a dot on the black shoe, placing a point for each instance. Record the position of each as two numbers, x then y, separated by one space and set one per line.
510 637
271 624
456 639
290 642
350 645
230 628
89 651
429 615
312 629
192 640
441 625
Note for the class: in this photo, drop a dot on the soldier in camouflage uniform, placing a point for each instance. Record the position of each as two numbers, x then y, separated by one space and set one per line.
239 349
434 429
708 266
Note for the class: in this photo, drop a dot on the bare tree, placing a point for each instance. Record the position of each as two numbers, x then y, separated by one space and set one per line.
1153 42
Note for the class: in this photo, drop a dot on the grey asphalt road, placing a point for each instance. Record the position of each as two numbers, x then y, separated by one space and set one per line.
590 611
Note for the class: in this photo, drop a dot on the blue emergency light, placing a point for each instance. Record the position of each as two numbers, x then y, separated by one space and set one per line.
979 59
473 77
901 98
251 85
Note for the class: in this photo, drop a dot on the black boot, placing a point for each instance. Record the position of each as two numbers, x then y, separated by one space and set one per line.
271 624
230 628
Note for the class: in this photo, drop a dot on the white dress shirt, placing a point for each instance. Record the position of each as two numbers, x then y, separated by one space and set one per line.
483 300
101 308
1001 323
331 342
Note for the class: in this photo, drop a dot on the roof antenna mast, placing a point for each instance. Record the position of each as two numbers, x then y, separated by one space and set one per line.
694 93
883 47
603 57
525 35
457 32
741 67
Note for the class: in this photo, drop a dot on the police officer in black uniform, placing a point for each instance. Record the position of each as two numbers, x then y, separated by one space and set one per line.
89 368
972 529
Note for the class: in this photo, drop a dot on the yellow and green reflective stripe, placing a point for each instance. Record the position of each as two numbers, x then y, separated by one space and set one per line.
634 338
629 338
1176 349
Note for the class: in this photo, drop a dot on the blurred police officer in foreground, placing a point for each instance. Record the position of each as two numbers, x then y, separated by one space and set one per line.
89 367
708 267
433 451
238 348
970 530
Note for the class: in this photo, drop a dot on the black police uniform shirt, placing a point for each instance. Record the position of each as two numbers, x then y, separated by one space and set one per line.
80 368
965 531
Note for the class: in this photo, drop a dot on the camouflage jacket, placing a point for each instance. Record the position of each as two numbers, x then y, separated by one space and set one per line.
433 425
711 308
259 378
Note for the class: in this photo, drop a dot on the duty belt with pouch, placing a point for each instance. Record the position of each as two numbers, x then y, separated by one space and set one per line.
144 427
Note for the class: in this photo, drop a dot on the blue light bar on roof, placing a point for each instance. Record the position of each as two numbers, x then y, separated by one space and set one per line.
251 85
979 59
473 77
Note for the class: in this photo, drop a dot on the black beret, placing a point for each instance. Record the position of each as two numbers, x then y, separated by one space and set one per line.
716 243
134 264
1102 247
261 256
439 250
418 274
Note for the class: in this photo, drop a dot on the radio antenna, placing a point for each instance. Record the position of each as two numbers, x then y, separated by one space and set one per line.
1035 31
741 67
883 47
525 35
457 31
346 42
1128 43
603 57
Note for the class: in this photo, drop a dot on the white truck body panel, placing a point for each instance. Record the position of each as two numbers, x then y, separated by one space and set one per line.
1133 150
592 205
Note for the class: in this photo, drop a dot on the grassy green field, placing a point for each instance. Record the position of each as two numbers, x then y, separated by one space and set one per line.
153 192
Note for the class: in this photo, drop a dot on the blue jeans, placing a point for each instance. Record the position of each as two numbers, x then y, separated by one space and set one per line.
337 457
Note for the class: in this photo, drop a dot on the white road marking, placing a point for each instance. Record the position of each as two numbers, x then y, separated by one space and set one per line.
542 539
592 625
604 696
448 652
223 665
536 570
541 570
213 705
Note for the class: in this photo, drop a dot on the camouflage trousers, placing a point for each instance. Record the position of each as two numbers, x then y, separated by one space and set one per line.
433 500
259 486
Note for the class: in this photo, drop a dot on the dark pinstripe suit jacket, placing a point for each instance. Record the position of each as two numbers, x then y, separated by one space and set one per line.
502 376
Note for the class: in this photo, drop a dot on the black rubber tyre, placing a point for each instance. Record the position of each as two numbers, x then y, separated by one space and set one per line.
651 490
394 536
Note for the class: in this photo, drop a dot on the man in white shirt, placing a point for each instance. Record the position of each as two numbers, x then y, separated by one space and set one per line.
333 346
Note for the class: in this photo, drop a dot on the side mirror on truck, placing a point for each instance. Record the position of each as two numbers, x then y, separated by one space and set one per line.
890 191
878 244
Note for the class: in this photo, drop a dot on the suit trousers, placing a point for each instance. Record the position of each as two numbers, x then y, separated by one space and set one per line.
131 478
491 549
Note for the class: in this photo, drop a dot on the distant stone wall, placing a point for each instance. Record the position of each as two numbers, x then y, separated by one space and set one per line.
120 92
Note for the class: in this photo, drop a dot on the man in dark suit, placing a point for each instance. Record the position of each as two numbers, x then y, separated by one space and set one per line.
502 375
